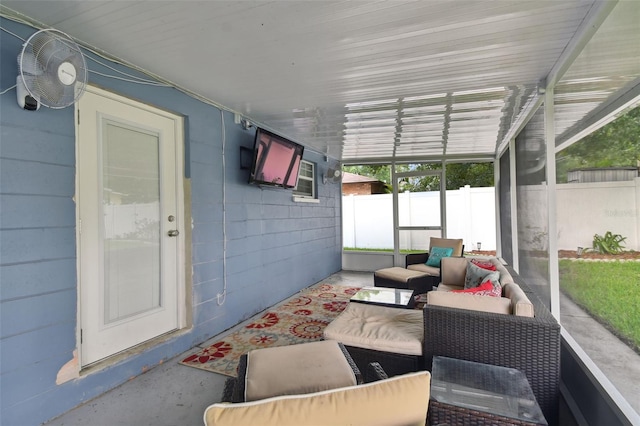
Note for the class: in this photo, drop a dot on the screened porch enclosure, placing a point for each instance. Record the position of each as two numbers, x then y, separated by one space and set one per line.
509 83
530 240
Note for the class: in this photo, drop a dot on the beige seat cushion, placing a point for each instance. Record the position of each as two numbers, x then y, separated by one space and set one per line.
423 268
397 274
449 287
379 328
296 369
400 400
473 302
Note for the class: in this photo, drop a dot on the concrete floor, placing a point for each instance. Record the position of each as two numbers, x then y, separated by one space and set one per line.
174 394
171 393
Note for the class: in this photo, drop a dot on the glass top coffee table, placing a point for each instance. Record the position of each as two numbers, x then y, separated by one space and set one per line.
384 296
487 394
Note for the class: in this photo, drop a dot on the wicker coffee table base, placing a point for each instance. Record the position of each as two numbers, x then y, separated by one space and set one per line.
392 363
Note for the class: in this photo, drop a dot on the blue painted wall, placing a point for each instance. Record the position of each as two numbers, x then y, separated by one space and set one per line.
275 246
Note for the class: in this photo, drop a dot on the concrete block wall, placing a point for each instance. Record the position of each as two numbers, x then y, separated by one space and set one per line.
274 246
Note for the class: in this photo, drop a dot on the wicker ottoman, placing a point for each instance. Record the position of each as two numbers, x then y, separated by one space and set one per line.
397 277
390 336
292 370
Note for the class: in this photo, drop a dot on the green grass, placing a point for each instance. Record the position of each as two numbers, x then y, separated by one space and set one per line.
609 291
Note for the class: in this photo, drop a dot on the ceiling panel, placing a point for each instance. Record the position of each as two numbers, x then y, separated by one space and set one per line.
367 79
609 63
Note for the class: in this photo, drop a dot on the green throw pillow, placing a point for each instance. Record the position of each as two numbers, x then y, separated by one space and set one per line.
436 254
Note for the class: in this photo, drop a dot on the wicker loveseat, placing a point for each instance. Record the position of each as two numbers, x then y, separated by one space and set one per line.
513 300
529 344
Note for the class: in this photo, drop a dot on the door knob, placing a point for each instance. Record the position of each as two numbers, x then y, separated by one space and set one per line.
173 233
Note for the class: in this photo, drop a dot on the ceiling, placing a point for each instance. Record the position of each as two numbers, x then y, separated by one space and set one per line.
374 80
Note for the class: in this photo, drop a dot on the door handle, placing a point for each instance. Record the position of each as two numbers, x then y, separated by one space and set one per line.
173 233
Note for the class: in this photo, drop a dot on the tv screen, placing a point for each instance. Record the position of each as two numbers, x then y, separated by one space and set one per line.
276 160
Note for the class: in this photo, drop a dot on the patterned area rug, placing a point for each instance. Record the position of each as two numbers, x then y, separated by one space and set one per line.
301 318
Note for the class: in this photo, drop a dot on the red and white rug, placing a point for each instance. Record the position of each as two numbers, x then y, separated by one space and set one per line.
301 318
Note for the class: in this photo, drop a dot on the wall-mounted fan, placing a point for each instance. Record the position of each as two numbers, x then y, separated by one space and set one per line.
52 71
333 175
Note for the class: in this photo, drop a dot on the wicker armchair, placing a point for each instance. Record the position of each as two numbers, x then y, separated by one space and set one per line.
382 400
417 261
234 387
531 345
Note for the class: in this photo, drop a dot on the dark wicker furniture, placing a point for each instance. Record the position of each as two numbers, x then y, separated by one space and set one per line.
465 392
531 345
415 258
393 364
428 282
421 258
420 283
374 372
445 414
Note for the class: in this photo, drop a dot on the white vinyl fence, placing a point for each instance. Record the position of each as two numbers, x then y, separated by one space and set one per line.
583 209
136 221
367 220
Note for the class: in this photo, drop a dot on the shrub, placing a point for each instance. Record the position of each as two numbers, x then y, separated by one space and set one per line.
609 243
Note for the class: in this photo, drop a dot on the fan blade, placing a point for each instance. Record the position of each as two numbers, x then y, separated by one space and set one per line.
77 60
52 49
43 46
50 88
28 64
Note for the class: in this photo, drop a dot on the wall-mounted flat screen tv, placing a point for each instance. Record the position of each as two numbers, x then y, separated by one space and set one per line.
276 160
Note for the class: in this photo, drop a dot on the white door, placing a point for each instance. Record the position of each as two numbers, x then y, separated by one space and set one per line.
129 222
419 206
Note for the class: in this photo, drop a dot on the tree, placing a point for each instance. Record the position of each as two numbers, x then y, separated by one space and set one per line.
381 172
472 174
616 144
458 175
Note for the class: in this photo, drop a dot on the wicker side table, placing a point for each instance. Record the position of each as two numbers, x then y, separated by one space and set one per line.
471 393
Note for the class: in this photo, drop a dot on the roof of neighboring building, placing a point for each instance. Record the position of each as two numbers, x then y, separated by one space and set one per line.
354 178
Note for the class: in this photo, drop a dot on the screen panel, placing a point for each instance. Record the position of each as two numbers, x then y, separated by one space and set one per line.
505 207
533 207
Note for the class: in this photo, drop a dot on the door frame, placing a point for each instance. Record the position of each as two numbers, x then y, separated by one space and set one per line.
182 308
399 259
